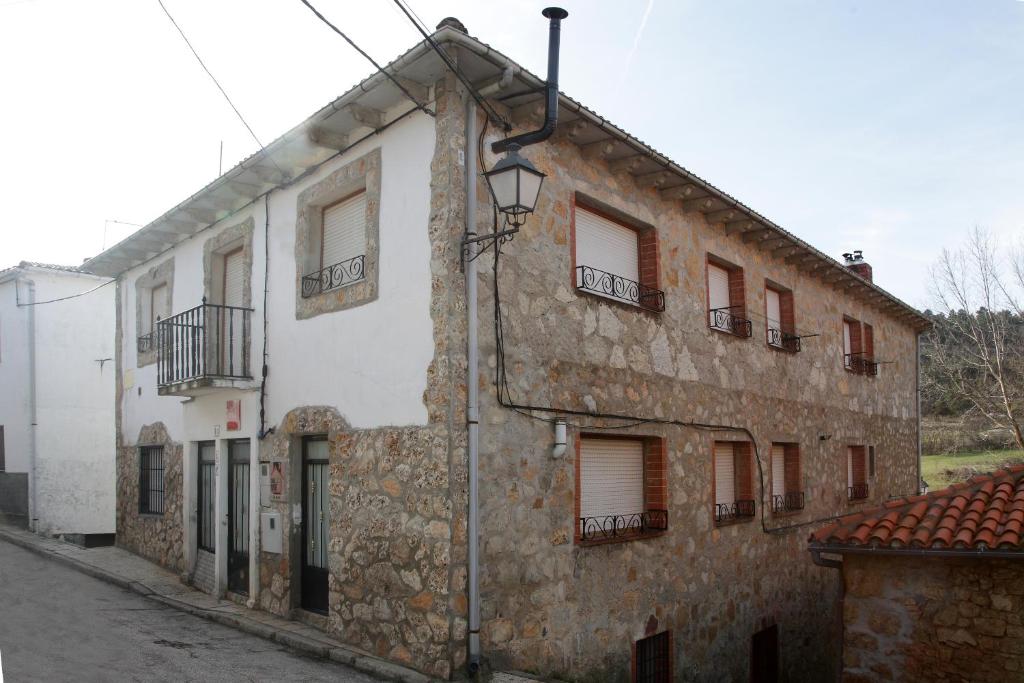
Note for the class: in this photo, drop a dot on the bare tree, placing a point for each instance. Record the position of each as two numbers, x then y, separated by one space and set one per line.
976 350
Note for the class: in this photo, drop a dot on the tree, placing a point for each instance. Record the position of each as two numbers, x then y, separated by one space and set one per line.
974 355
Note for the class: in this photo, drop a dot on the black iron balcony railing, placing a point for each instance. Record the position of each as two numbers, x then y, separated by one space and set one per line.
857 491
332 277
729 512
788 502
208 341
783 340
723 319
608 284
620 526
860 364
144 344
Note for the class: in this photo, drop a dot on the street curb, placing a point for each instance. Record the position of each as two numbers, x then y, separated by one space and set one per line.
292 641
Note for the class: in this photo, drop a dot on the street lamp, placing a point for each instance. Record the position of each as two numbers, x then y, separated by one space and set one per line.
515 185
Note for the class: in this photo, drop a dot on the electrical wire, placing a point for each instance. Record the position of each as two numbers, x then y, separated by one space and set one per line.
63 298
219 87
358 49
263 433
492 113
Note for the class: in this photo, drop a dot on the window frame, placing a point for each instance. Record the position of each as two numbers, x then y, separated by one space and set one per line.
146 489
792 478
669 656
787 324
161 275
655 487
737 297
323 213
861 452
735 517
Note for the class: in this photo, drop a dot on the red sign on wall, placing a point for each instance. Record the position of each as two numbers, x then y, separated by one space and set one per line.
234 417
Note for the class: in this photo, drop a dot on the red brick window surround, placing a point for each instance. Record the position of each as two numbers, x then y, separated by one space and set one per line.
653 659
615 258
732 470
726 297
786 478
780 318
859 347
856 473
621 488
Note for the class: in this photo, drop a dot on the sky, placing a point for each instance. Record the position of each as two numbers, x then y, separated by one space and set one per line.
892 127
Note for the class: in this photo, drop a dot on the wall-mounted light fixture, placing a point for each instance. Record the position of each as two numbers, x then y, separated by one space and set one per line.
515 186
559 450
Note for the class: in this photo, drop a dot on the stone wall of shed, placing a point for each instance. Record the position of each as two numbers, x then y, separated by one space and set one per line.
933 619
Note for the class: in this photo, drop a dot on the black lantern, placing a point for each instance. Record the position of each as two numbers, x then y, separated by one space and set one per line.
515 185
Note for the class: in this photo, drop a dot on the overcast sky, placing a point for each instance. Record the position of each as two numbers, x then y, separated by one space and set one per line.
891 127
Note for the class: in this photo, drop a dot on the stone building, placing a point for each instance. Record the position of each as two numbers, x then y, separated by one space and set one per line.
934 584
292 393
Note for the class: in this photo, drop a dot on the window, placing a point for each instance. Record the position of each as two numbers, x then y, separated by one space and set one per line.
726 298
859 347
342 245
615 260
652 659
153 299
787 495
780 328
621 488
734 494
856 473
764 655
151 480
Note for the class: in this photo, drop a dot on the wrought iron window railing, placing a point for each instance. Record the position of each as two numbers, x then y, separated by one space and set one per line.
723 319
857 491
788 502
621 526
591 279
144 343
334 276
860 364
783 340
208 341
728 512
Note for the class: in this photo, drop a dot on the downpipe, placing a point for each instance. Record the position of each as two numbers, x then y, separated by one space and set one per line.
32 405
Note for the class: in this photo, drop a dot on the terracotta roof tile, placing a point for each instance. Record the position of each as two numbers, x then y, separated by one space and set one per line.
985 512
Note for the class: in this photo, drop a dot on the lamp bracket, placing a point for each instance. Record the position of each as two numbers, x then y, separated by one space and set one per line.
473 246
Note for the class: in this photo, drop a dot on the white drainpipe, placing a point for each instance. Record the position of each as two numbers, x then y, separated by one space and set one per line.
31 403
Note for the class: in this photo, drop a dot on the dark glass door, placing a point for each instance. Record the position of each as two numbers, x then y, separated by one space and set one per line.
315 478
205 515
238 516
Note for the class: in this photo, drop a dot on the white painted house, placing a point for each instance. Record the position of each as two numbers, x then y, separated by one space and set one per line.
56 403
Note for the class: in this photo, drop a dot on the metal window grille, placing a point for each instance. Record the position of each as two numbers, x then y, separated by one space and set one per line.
653 663
151 480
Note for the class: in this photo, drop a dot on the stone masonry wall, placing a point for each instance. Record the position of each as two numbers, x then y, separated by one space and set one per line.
558 608
933 619
155 537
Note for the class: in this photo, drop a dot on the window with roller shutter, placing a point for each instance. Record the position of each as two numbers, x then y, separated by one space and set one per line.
621 490
344 233
780 328
787 495
856 473
726 298
733 481
859 347
615 260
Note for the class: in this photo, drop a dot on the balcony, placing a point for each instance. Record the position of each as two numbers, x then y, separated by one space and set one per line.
333 277
724 320
726 513
144 344
788 502
857 492
783 340
621 527
612 286
860 364
202 349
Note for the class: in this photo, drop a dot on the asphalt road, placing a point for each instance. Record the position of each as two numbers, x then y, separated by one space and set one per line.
59 625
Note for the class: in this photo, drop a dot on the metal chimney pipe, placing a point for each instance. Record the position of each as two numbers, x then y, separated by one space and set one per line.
555 14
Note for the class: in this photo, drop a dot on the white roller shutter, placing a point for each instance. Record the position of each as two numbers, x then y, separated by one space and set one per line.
234 271
611 477
158 304
774 311
344 231
778 470
718 293
725 474
849 466
606 246
146 303
847 344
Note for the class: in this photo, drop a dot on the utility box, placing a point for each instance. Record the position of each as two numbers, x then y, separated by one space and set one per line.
270 532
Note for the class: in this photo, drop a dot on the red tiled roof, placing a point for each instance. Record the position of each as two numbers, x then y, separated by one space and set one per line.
983 513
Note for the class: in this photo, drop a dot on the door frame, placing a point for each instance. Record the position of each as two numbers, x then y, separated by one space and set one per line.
304 544
242 589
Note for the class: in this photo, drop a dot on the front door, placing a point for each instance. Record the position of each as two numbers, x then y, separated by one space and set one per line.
238 516
315 521
205 497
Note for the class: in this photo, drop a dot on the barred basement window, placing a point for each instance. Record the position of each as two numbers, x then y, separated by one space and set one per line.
652 659
151 480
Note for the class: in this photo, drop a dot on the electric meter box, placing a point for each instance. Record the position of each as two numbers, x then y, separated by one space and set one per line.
270 532
264 484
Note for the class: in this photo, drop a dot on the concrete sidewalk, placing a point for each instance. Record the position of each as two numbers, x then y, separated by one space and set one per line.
129 571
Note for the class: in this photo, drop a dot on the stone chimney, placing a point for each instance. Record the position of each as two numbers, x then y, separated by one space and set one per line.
454 23
857 264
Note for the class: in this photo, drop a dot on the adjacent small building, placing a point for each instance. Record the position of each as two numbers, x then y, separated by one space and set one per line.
56 401
934 584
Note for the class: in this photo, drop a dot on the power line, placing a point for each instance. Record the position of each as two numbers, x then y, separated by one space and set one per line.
219 87
497 118
358 49
63 298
